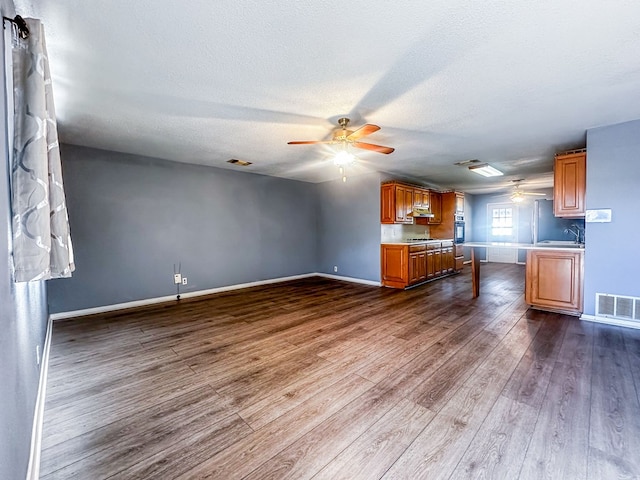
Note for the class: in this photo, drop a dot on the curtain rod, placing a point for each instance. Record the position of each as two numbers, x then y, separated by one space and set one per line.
19 22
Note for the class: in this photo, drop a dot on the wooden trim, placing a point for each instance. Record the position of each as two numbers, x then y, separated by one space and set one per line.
475 272
360 281
33 470
610 321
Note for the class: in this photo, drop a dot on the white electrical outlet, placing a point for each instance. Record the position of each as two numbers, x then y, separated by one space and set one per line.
184 280
335 269
37 354
177 278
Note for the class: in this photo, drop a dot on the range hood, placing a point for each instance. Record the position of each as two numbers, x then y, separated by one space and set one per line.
419 212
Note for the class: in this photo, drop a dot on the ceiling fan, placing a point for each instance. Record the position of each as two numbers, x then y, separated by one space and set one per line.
517 195
351 137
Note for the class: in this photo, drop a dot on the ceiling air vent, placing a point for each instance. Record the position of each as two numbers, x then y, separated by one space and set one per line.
242 163
468 163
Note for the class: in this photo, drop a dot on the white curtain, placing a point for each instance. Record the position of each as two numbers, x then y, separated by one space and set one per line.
41 238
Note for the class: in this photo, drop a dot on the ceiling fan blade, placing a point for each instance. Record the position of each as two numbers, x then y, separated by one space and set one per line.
309 142
363 131
533 193
371 146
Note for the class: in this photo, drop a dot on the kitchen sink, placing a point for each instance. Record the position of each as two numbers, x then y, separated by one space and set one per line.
559 243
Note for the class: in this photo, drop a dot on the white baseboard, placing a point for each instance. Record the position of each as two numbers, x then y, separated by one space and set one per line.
361 281
199 293
33 471
610 321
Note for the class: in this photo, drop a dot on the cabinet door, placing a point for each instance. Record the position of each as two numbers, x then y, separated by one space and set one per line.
459 203
422 266
553 280
395 265
420 198
408 202
459 263
435 203
437 262
431 266
387 204
404 204
401 209
450 260
426 198
414 268
569 185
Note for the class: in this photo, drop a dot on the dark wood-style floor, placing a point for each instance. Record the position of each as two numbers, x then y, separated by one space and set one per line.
325 379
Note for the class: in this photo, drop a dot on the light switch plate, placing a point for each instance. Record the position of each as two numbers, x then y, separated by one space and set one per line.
177 278
602 215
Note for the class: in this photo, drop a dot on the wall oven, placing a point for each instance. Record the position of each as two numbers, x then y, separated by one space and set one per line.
458 231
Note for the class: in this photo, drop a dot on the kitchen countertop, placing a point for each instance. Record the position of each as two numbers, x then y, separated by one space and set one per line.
418 242
529 246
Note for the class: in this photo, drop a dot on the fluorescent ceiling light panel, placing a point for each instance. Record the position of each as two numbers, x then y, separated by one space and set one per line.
485 170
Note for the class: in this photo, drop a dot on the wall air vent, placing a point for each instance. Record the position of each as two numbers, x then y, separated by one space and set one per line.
242 163
618 307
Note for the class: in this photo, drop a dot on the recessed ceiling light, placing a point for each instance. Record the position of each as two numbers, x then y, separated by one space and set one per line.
485 170
242 163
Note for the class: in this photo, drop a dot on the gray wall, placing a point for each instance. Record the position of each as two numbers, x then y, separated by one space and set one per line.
480 226
349 227
613 179
23 320
133 217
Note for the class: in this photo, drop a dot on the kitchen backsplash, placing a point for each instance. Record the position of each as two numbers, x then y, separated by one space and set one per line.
398 233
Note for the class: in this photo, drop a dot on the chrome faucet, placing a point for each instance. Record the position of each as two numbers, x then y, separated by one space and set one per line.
577 233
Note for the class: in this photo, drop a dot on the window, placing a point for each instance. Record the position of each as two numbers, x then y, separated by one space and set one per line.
502 222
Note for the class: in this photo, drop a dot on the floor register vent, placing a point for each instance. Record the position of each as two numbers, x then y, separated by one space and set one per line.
618 307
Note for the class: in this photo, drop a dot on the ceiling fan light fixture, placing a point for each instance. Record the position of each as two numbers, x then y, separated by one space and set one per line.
517 197
343 158
485 170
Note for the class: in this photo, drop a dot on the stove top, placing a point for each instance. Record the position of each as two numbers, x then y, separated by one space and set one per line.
419 239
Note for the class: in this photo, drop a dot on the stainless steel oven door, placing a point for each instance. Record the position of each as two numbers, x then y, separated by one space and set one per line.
458 232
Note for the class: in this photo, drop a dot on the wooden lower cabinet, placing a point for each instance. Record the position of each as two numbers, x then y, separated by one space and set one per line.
447 258
554 280
458 257
395 265
417 264
431 262
407 265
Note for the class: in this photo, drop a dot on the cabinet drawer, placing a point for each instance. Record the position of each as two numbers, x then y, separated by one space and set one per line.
459 250
417 248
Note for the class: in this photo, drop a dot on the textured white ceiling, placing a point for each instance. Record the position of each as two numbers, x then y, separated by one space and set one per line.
204 81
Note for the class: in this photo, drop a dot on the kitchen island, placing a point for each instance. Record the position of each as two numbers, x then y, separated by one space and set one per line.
554 273
412 262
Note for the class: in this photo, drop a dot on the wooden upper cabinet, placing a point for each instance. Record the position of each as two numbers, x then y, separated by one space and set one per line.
398 200
421 198
396 203
387 204
570 184
404 204
459 203
436 207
